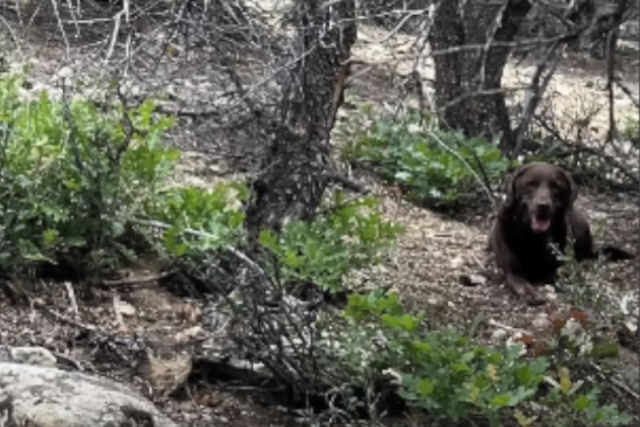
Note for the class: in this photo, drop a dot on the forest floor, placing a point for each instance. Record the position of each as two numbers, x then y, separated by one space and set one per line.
425 267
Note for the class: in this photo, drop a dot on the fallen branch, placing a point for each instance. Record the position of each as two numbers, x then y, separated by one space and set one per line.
497 324
620 385
72 298
199 233
347 183
39 304
137 280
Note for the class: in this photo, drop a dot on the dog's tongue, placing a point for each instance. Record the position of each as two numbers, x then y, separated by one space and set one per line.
540 225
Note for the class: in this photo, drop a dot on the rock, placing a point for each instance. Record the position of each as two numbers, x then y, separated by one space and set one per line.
126 309
628 335
49 397
472 280
457 262
166 370
516 339
541 321
29 355
550 293
498 335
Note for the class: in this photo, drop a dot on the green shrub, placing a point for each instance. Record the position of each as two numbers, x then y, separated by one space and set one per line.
444 372
200 219
433 167
571 408
73 175
351 236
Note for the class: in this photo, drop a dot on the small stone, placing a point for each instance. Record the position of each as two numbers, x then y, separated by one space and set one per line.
472 280
434 301
550 293
541 321
166 372
126 309
457 262
498 335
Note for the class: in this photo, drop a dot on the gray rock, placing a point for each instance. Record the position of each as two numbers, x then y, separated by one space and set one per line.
29 355
43 396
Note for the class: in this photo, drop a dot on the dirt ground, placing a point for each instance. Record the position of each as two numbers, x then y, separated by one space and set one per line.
425 267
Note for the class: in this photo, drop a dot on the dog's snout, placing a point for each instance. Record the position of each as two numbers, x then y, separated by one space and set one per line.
543 208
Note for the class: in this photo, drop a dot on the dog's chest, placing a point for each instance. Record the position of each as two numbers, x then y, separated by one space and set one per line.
538 255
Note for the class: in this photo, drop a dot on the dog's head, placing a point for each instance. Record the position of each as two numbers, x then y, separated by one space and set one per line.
539 192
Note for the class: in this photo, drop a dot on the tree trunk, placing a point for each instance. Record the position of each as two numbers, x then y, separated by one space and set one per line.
295 169
468 86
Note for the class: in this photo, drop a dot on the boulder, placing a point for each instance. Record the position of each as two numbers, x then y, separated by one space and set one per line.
45 396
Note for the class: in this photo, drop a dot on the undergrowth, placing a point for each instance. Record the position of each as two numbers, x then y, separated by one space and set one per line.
349 236
75 178
79 181
436 168
445 373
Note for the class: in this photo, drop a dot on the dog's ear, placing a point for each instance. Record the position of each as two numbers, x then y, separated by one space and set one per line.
573 189
510 185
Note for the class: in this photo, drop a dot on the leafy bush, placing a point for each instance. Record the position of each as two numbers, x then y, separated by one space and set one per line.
443 372
72 176
571 408
201 219
351 236
433 167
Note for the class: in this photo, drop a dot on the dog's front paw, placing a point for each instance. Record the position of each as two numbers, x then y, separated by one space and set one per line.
535 298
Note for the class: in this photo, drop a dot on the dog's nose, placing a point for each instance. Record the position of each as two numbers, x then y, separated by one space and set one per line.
543 208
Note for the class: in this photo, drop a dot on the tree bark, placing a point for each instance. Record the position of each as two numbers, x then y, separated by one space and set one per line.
294 174
468 88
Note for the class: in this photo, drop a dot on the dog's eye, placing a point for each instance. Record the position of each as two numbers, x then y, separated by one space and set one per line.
532 184
555 186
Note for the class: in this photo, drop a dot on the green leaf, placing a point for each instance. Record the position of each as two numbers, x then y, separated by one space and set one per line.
117 228
425 387
500 401
565 380
581 403
525 376
267 239
607 349
522 419
49 237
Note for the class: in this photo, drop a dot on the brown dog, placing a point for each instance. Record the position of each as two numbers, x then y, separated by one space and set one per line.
537 215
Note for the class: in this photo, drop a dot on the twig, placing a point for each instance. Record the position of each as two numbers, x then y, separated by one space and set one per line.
72 298
497 324
56 12
39 304
136 280
199 233
486 189
615 382
611 55
627 91
12 34
116 310
534 95
579 147
347 183
68 360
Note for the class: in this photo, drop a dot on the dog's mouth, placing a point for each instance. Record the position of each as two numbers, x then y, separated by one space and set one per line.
540 224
